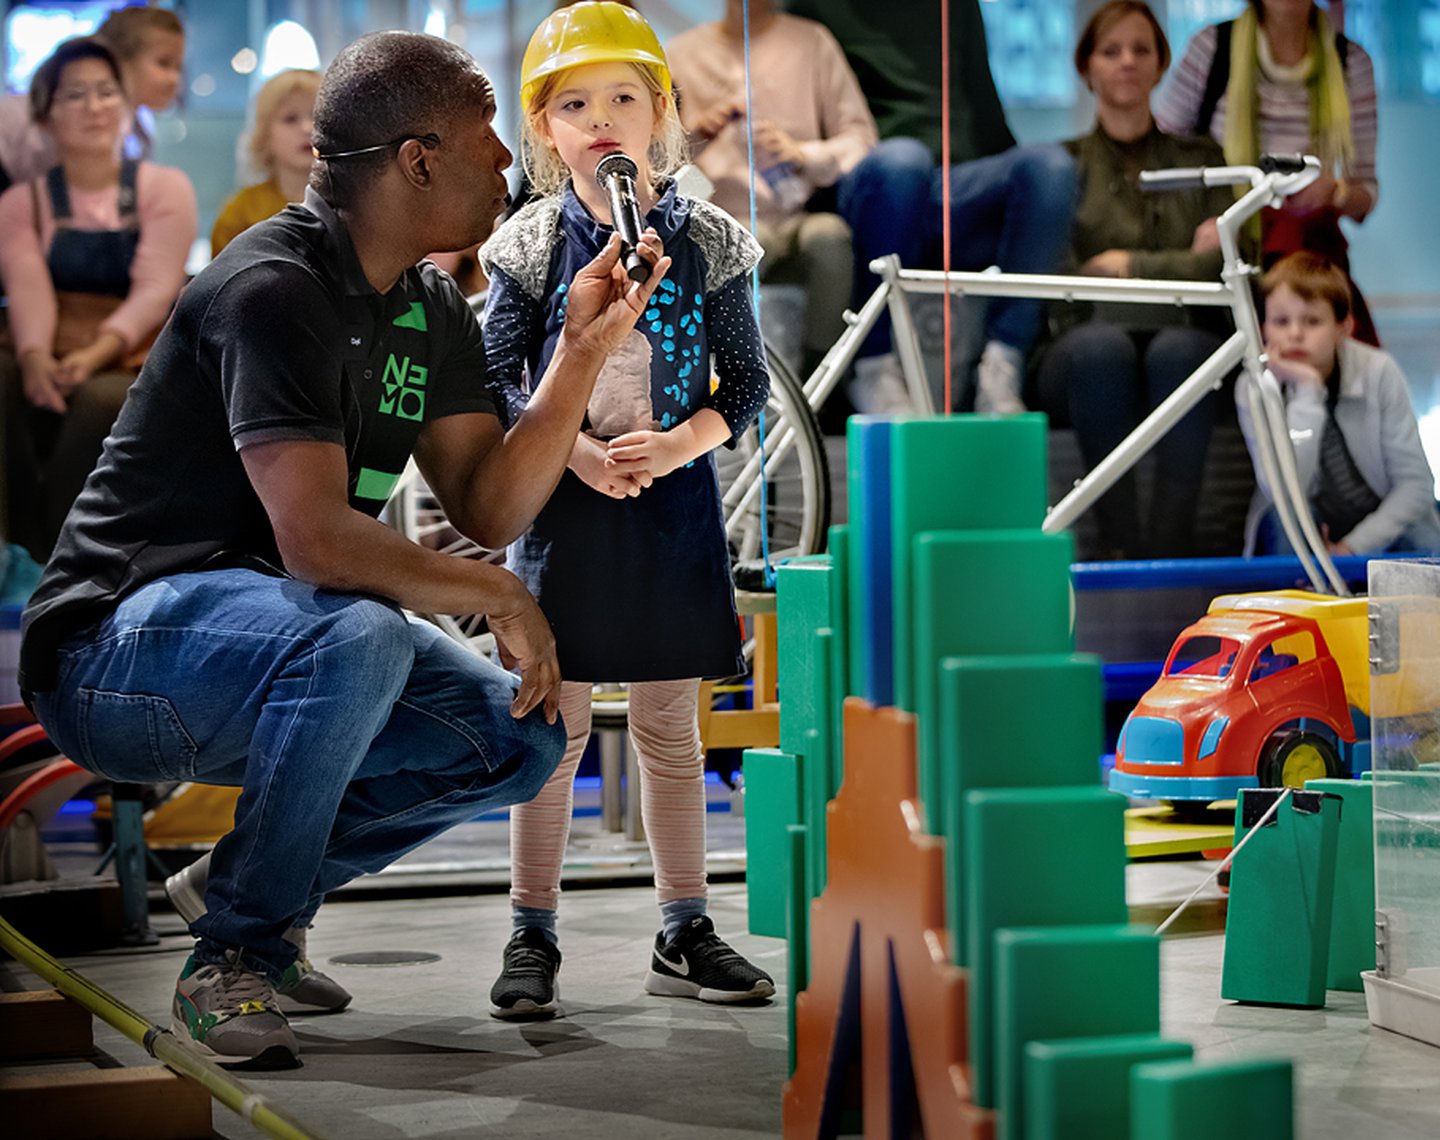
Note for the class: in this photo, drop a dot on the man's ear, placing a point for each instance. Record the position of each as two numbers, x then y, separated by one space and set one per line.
414 159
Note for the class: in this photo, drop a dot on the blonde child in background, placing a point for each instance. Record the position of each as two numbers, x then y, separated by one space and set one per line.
1357 444
280 145
629 559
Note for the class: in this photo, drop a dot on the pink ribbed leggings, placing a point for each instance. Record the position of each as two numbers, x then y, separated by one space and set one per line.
666 738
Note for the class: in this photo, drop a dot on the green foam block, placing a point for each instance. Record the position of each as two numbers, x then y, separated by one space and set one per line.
938 468
772 804
990 593
1033 857
1067 981
803 608
1079 1088
1352 918
1191 1100
797 925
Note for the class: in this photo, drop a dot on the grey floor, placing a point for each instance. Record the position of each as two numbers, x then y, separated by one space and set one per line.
418 1056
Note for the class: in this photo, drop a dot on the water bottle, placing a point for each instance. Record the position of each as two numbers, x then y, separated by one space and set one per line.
789 190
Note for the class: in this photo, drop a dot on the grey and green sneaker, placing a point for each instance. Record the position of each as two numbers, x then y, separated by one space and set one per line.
302 988
229 1013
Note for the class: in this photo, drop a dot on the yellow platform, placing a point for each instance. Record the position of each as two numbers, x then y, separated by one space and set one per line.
1159 831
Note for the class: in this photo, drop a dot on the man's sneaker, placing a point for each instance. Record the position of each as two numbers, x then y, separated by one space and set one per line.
998 378
229 1013
878 387
696 963
526 987
186 889
302 988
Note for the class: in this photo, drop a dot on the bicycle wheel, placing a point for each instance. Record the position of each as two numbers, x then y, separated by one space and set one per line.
797 477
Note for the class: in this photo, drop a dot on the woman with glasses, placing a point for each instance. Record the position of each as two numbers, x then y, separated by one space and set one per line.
92 256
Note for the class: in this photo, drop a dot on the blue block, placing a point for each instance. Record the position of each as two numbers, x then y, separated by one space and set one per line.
872 672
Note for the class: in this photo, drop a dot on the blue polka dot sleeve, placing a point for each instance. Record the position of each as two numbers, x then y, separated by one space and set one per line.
739 355
514 327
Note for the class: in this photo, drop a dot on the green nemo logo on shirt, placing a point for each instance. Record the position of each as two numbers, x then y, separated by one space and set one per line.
403 384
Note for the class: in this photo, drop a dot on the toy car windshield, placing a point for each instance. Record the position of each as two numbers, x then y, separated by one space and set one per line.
1210 657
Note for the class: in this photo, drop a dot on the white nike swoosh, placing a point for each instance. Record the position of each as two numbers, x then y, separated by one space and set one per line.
681 967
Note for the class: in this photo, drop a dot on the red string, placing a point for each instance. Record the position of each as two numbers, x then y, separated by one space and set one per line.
945 184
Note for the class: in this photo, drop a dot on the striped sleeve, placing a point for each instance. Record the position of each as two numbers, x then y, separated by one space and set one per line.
1364 120
1179 100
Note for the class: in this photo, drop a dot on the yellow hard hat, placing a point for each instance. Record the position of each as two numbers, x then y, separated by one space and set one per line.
593 31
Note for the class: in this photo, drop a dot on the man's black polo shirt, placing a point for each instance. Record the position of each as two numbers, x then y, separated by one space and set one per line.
280 338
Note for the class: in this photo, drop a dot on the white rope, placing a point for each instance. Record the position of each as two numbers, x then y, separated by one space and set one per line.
1225 863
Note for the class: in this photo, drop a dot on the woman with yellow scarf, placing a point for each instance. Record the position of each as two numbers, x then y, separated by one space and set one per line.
1280 79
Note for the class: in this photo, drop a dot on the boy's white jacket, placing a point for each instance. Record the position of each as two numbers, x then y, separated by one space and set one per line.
1375 414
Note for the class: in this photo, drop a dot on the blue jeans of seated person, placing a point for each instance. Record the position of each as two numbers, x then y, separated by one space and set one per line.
1011 209
354 732
1103 380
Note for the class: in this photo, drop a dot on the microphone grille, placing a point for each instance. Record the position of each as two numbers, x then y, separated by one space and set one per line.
615 163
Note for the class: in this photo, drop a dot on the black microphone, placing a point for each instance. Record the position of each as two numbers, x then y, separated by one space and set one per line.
616 174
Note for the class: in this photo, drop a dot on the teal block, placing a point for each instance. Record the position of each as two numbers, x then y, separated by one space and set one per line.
841 581
1066 981
797 929
990 593
1033 857
1352 917
773 782
802 601
867 457
1079 1088
1195 1100
1277 920
990 736
957 473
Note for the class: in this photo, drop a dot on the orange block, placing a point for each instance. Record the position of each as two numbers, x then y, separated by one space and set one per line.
881 973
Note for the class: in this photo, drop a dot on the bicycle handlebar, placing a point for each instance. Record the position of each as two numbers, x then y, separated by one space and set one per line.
1273 166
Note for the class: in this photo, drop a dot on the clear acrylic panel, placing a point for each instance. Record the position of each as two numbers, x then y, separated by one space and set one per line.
1405 696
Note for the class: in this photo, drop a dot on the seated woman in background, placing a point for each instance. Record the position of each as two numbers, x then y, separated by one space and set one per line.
280 146
1281 79
1105 374
149 44
92 257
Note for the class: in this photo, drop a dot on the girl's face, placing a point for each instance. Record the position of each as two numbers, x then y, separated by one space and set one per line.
152 78
290 137
88 113
597 109
1125 65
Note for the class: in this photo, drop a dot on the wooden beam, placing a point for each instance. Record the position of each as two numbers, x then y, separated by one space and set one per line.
146 1103
43 1023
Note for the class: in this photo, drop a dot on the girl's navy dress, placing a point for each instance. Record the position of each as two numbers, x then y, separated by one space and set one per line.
635 589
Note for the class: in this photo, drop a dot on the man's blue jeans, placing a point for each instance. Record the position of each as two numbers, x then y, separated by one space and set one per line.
354 732
1012 209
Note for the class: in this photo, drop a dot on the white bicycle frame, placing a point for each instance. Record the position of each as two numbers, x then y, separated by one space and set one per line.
1244 347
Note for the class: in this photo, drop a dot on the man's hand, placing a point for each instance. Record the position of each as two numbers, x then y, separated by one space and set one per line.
604 303
778 145
588 461
523 637
646 455
39 376
714 118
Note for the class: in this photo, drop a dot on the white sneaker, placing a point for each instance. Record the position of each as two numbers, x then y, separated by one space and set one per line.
878 388
998 378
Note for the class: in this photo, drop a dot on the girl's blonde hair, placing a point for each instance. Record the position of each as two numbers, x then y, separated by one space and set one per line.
125 30
547 171
267 103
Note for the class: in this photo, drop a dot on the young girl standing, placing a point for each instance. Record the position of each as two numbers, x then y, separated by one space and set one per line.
629 559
